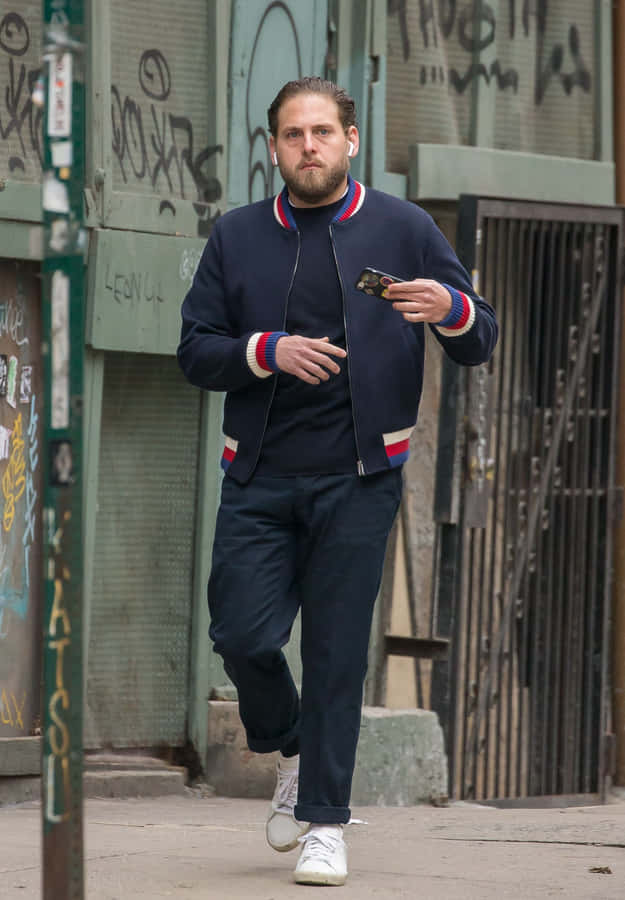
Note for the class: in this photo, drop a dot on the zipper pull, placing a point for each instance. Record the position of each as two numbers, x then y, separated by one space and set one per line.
360 467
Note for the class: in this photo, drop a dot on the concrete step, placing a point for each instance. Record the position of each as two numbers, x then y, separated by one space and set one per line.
118 782
107 775
400 761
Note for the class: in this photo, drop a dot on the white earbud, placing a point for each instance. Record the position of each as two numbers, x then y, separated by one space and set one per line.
350 148
275 158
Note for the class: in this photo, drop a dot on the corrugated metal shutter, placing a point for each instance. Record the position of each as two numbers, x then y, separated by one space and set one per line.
531 67
142 592
552 111
21 150
160 88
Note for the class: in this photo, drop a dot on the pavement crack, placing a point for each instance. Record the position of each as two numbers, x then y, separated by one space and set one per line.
480 840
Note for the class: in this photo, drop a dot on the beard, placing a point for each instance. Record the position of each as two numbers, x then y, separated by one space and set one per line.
314 185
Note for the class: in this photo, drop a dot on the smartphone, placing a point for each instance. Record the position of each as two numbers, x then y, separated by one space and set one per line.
373 282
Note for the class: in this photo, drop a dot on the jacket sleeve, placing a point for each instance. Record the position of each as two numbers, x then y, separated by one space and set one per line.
210 353
469 333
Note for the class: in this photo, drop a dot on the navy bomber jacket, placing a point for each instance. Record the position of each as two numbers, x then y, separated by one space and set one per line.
236 308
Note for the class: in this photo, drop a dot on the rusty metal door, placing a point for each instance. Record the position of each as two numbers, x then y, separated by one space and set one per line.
525 505
21 397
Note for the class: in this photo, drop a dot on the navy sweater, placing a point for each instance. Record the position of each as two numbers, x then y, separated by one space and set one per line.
310 429
238 304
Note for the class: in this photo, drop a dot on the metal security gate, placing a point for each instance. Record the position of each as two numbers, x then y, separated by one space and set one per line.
525 506
139 651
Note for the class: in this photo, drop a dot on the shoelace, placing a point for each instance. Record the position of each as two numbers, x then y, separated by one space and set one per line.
319 843
287 791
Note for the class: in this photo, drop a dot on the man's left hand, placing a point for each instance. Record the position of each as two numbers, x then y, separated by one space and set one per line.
421 300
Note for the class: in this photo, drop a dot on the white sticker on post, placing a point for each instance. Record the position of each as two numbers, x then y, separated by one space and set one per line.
62 153
60 350
60 96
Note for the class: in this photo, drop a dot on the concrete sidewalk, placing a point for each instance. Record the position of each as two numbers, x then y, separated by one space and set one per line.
190 848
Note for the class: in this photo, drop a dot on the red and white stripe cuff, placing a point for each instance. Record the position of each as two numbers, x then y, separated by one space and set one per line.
461 317
261 352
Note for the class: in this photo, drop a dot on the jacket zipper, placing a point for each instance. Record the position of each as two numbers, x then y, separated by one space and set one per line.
360 467
275 380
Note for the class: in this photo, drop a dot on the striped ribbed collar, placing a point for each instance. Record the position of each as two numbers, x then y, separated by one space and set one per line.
352 202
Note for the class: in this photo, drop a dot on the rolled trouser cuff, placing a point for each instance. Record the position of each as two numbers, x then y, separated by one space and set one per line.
268 745
322 815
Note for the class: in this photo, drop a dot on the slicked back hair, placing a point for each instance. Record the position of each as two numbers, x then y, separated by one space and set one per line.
313 85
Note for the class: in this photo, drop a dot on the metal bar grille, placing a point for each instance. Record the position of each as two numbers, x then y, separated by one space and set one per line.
532 559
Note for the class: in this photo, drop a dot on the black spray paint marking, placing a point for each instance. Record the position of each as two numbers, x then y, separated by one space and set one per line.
257 134
157 145
19 117
475 26
134 287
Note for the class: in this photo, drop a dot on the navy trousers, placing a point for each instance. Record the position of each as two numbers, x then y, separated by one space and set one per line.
317 543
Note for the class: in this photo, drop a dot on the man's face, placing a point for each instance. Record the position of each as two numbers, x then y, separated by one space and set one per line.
311 146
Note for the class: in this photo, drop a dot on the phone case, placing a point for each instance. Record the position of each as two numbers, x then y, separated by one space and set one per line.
370 281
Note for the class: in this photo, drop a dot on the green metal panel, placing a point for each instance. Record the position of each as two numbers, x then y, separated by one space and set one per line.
353 67
156 95
139 651
20 201
21 240
604 132
444 172
21 144
136 286
271 43
94 381
377 176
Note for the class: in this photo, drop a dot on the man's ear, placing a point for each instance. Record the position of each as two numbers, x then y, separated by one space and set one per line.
354 139
272 150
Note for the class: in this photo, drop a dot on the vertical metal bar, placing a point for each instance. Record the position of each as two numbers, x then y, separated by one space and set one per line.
480 760
585 605
570 528
534 599
539 687
63 293
491 229
598 488
523 495
509 365
601 400
559 550
499 474
446 675
555 298
467 596
615 322
517 493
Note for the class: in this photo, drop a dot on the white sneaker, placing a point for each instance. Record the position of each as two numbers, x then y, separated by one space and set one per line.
283 830
323 859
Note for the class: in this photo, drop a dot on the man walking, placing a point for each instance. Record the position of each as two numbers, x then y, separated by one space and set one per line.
323 383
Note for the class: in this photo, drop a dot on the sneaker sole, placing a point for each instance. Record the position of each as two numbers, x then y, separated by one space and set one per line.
284 848
320 879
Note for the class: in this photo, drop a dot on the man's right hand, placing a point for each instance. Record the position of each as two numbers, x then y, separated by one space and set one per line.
308 358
